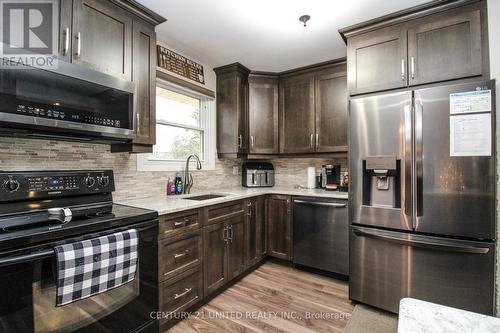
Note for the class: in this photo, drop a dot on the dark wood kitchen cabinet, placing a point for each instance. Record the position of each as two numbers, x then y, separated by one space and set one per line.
144 77
215 257
377 60
232 105
102 37
297 122
279 224
426 44
256 241
224 244
445 46
331 110
263 114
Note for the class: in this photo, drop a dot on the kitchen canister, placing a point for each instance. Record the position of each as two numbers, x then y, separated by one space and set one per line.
311 177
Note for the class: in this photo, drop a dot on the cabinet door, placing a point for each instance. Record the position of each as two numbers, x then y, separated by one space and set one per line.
252 233
377 60
232 135
263 115
331 112
445 46
214 256
65 17
280 227
144 77
235 246
102 37
297 119
261 220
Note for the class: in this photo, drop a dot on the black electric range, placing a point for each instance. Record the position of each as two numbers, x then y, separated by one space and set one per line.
39 210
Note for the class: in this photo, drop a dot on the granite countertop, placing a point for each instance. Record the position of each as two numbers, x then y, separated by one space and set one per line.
416 316
176 203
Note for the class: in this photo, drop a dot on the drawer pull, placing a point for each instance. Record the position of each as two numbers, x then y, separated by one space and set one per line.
180 255
181 223
186 291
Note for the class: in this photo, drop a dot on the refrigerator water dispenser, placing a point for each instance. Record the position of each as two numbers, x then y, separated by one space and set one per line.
382 181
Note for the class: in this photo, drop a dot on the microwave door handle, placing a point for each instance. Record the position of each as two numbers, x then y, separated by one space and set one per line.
428 244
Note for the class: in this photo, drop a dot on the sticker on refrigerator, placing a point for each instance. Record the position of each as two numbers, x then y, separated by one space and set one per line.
470 135
470 102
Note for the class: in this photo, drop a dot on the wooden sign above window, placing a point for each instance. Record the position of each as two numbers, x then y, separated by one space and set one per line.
175 63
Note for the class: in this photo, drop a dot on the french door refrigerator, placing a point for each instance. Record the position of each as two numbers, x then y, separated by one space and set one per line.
422 197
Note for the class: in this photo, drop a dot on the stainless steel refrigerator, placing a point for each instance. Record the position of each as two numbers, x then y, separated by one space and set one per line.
422 197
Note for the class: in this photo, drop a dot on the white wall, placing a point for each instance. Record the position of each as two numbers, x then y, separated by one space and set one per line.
494 41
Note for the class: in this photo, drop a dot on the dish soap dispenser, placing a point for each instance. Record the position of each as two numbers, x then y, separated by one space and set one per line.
170 186
178 184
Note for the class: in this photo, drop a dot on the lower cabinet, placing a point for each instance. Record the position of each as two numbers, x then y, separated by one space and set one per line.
256 230
279 224
224 251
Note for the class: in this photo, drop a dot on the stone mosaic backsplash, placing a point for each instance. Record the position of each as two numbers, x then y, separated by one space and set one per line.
30 154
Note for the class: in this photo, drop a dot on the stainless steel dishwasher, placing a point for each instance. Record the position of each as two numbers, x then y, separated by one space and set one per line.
321 234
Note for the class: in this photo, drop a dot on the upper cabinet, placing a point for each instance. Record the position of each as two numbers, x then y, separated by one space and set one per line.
297 112
445 46
263 114
102 37
377 60
433 43
297 125
313 111
232 106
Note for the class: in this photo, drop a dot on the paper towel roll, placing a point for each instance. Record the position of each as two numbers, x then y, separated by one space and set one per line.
311 177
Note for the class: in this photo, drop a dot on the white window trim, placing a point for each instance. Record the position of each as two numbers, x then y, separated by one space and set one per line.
209 133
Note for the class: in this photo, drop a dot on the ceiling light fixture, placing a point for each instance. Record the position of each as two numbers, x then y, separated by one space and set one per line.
304 19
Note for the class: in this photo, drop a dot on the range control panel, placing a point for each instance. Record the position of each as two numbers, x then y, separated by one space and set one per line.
46 184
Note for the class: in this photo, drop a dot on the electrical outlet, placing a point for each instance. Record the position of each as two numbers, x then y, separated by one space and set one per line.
236 170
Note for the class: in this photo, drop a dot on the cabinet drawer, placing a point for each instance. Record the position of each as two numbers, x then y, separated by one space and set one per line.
221 212
174 224
180 253
180 294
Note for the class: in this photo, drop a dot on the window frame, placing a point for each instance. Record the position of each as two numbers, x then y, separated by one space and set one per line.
207 128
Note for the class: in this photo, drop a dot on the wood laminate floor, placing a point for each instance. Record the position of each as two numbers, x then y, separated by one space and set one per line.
274 298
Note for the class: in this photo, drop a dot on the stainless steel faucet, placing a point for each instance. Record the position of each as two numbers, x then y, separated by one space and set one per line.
188 178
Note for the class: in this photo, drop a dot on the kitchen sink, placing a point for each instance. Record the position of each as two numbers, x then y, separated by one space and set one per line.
205 197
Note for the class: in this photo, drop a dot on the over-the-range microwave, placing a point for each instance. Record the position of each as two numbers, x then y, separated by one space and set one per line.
68 102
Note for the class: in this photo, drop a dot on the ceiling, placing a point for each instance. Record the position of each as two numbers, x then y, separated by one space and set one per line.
264 35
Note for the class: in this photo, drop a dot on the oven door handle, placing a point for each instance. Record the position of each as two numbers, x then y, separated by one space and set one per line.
26 257
37 255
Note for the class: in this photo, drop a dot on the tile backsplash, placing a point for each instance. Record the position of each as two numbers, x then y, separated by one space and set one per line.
29 154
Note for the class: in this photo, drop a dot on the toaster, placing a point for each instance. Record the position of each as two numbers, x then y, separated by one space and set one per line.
257 174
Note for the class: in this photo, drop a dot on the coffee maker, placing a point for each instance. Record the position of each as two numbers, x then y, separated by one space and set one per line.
330 175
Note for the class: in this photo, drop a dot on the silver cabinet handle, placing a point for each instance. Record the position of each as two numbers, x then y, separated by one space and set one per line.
224 235
230 232
180 255
186 291
317 140
240 141
181 223
403 69
311 144
78 44
412 65
138 125
66 41
252 141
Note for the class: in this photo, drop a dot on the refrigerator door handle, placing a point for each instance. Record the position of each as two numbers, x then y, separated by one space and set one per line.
419 150
408 151
429 244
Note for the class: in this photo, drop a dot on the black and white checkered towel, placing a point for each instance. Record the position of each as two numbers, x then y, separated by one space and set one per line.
96 265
